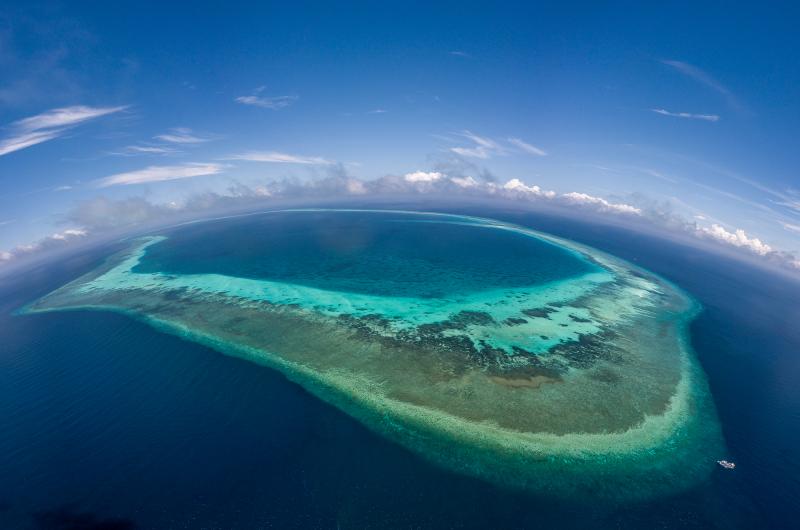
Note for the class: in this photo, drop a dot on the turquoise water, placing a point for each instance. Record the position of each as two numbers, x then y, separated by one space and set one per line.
515 376
108 421
366 253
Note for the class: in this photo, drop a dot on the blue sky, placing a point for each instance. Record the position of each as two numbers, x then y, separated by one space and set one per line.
691 108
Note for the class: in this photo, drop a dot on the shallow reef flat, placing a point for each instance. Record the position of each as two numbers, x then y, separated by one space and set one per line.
575 384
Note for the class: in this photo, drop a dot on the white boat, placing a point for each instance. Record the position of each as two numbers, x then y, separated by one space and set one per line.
726 464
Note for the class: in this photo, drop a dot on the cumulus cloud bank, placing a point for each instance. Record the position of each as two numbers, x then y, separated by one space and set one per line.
53 241
520 188
601 204
102 215
737 238
423 176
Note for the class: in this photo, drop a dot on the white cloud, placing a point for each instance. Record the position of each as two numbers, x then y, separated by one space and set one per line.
484 147
355 187
473 152
49 125
737 238
64 117
378 111
790 203
600 203
706 79
101 214
65 187
516 185
266 102
68 233
790 227
520 189
464 182
422 176
58 239
147 150
181 135
687 115
459 53
21 141
528 148
279 158
480 140
158 174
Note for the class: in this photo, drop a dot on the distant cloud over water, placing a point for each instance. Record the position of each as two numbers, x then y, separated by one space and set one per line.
101 214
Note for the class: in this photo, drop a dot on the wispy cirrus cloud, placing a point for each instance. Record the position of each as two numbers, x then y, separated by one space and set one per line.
143 150
279 158
687 115
704 78
182 135
159 174
788 198
169 143
21 141
789 202
482 147
790 227
526 147
49 125
64 117
257 99
485 148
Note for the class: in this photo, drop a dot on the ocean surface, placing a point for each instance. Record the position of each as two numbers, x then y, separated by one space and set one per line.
107 423
362 252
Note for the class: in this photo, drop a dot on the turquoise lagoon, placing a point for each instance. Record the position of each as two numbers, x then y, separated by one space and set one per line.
490 349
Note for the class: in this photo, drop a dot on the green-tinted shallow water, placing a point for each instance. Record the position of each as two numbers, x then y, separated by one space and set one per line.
568 372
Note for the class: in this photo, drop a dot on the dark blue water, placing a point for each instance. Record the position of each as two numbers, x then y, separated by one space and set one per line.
105 423
380 254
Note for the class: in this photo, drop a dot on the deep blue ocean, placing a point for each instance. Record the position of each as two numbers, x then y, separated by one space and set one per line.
107 423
